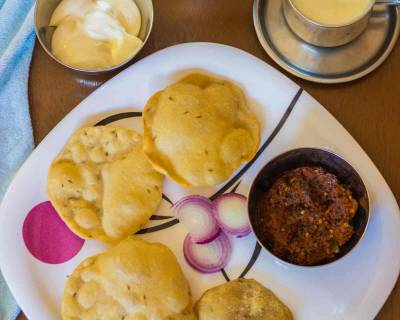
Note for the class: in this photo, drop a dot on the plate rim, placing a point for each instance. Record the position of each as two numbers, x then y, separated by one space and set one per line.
240 52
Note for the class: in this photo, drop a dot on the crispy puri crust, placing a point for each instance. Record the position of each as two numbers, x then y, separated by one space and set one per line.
135 279
102 185
241 299
228 134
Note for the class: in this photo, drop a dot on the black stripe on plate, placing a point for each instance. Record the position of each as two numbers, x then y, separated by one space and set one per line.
263 147
158 217
236 186
159 227
118 116
253 259
225 275
167 199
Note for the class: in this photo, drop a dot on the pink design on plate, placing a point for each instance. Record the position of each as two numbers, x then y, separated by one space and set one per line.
47 237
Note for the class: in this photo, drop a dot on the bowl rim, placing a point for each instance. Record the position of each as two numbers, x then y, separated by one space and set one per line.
91 71
325 264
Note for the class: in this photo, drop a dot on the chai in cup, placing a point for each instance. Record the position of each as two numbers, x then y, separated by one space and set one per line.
333 12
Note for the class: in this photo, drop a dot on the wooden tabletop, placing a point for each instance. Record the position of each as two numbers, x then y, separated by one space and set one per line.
368 108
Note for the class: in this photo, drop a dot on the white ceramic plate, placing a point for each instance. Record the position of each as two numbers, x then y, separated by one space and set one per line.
354 288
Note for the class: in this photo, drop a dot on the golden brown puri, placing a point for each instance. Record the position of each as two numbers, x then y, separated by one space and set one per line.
241 299
135 280
199 130
102 185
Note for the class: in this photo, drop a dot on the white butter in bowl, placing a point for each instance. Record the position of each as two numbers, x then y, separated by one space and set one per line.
95 34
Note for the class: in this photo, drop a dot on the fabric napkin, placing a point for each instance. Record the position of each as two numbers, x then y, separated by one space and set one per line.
16 139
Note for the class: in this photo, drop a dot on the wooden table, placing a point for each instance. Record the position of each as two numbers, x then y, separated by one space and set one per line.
368 108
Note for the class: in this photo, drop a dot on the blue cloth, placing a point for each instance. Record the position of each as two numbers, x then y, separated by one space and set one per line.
16 139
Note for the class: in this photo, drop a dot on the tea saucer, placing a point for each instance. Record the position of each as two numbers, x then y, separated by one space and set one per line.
326 65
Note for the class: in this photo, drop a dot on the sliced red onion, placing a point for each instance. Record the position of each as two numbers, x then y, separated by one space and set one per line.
230 210
210 257
196 214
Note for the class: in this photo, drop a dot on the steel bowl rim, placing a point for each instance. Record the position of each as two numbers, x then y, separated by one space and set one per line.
290 264
99 71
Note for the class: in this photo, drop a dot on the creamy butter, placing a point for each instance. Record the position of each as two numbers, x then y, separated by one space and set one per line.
95 34
332 12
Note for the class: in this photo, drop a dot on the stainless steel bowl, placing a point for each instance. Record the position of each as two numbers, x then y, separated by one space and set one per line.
45 8
332 163
324 35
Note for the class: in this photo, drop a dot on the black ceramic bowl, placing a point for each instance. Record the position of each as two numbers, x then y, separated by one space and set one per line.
312 157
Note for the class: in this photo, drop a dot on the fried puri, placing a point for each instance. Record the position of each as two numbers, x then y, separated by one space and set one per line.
241 299
102 185
199 130
135 280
